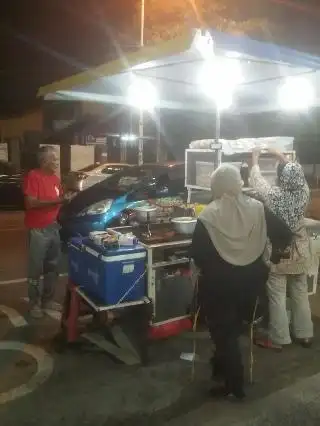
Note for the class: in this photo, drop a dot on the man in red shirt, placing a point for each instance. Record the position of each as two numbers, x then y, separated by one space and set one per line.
43 197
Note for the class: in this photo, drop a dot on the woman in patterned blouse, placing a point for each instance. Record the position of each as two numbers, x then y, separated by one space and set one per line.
288 201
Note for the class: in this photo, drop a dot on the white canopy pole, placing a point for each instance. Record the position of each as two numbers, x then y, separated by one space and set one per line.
218 124
218 128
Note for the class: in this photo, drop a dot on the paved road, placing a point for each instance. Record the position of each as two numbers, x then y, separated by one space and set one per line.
84 386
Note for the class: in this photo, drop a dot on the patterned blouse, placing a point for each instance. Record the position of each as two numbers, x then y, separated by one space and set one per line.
288 201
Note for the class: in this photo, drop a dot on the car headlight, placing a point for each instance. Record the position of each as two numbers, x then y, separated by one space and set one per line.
97 208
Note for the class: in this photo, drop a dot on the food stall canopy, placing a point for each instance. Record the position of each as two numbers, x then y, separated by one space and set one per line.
173 68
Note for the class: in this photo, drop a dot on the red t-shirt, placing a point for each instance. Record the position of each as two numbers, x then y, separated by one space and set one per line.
45 188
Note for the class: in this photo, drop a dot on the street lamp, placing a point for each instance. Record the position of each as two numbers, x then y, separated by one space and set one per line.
142 20
140 145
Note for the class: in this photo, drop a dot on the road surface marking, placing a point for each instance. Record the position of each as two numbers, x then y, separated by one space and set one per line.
45 366
11 229
23 280
14 317
17 281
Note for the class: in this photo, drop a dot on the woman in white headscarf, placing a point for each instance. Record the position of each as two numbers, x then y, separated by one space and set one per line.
228 246
288 200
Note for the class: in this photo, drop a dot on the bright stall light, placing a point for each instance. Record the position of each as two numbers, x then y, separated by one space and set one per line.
142 94
296 94
219 78
129 138
224 100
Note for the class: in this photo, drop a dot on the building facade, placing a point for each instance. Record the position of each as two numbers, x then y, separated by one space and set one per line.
21 136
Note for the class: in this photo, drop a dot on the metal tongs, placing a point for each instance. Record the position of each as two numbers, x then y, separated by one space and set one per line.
190 212
148 226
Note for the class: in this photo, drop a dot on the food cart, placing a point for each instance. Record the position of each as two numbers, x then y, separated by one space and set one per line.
142 269
207 73
145 268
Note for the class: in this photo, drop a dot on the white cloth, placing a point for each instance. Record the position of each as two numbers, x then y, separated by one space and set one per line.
235 223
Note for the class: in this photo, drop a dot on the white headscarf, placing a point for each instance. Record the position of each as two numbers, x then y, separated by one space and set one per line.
235 223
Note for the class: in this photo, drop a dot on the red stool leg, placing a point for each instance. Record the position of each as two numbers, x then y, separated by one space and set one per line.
72 321
66 307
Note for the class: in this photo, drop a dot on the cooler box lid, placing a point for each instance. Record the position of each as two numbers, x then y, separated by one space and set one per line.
126 252
76 242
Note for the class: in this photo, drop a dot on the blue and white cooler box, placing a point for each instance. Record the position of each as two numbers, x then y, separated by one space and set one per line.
109 276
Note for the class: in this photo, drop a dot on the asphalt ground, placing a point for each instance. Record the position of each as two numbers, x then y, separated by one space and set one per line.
41 383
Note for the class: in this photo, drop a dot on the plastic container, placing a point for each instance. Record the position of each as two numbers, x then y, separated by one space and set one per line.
198 209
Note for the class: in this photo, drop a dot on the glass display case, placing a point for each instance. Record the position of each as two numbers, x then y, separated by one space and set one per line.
200 164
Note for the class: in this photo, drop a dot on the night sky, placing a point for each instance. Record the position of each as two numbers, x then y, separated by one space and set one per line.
44 40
